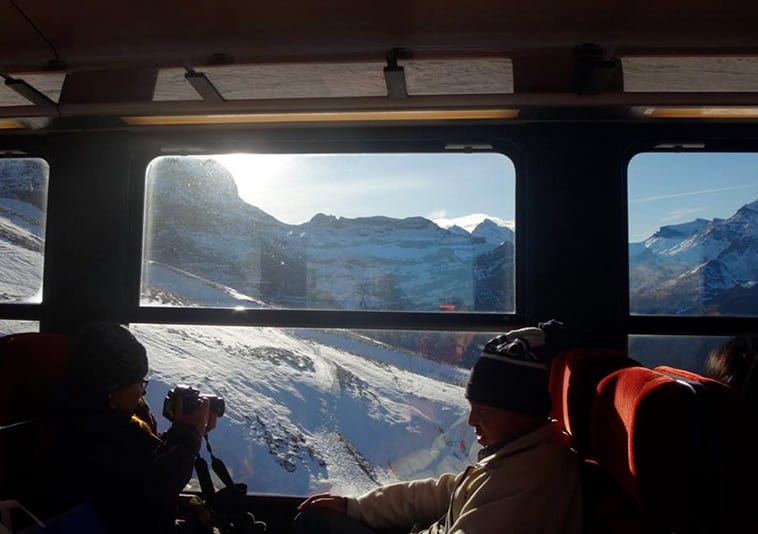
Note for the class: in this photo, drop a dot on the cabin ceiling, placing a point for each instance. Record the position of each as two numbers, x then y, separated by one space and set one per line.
111 53
94 33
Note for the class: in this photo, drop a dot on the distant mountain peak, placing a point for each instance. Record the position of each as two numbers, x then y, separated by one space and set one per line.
682 229
472 221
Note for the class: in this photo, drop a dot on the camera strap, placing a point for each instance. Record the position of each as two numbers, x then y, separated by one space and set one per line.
204 475
228 505
218 466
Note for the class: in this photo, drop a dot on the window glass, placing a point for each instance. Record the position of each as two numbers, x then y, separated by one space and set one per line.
23 206
16 327
400 232
682 352
693 234
311 410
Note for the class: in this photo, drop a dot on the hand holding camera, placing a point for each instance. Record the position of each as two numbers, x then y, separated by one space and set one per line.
186 405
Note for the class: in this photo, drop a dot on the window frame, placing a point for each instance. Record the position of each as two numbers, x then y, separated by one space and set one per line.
29 311
673 325
333 140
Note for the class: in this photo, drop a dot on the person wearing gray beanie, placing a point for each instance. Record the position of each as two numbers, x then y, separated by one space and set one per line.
508 375
527 478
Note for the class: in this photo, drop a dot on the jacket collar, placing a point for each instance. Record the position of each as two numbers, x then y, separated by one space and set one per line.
544 433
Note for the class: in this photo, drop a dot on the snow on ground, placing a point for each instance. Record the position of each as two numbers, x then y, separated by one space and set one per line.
305 416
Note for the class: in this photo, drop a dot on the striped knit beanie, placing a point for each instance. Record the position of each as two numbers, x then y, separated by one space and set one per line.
509 375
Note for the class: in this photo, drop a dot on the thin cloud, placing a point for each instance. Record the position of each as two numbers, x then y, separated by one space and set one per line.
677 215
692 193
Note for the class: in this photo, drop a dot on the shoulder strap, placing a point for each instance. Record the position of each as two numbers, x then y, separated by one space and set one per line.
204 477
218 466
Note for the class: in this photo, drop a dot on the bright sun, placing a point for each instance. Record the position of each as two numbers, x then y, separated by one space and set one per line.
258 176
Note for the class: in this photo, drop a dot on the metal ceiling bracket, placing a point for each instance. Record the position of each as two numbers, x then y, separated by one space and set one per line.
203 86
33 95
394 75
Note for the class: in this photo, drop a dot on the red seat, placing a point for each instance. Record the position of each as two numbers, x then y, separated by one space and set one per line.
574 376
31 365
728 462
643 437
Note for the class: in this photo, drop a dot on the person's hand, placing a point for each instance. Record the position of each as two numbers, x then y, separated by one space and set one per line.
325 500
197 418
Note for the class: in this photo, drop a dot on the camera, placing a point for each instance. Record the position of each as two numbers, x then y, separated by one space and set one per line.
191 399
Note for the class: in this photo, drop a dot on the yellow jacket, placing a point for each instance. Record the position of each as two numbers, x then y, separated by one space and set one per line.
531 485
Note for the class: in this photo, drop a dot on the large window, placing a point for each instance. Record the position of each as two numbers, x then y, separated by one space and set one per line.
396 232
23 205
8 327
310 410
693 234
328 409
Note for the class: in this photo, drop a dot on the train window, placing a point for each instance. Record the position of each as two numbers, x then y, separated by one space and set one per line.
16 327
23 207
310 410
693 234
683 352
382 232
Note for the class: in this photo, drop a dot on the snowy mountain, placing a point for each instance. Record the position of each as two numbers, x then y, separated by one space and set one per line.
201 226
698 267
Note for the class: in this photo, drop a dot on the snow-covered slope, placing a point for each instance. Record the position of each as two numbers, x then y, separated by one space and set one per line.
311 410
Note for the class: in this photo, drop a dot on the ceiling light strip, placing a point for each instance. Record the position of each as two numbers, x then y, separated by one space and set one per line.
341 116
738 112
11 125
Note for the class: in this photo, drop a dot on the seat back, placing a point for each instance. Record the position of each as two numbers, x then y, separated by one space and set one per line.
31 366
728 463
642 437
574 376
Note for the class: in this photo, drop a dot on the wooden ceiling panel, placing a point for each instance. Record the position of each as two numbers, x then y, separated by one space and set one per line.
93 33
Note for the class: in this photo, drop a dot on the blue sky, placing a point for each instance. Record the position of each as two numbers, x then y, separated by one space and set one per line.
294 188
673 188
664 188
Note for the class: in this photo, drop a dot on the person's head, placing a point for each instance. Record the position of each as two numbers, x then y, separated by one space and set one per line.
735 364
108 364
508 387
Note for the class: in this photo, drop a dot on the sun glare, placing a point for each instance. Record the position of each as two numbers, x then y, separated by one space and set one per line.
259 176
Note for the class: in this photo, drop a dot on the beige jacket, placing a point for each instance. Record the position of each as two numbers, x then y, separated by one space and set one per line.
532 485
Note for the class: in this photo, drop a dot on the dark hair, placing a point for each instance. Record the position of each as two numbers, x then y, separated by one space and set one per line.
735 364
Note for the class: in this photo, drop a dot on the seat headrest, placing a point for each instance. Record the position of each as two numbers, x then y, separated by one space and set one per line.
644 434
574 376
